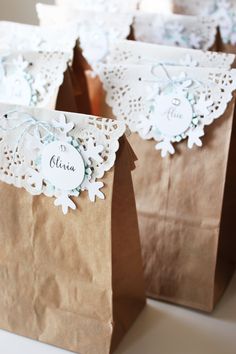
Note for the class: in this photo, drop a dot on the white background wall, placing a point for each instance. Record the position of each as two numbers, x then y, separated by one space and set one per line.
20 10
24 10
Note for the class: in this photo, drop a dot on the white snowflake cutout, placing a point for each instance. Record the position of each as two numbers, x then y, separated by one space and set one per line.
92 152
194 137
203 104
64 128
65 202
188 61
93 189
166 147
195 40
20 63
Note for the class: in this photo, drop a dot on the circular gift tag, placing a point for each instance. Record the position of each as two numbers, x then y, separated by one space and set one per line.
15 88
173 114
63 165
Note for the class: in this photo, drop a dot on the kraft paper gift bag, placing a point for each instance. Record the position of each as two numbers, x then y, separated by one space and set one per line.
16 37
195 32
185 192
32 78
98 27
74 280
223 11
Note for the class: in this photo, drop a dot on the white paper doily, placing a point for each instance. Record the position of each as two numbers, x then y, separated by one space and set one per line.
31 78
133 52
139 93
175 30
24 134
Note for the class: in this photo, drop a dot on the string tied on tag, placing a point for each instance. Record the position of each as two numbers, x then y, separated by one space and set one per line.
29 122
186 61
181 82
175 82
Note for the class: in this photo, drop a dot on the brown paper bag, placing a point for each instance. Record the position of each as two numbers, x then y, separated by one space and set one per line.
185 202
92 82
186 217
74 281
73 94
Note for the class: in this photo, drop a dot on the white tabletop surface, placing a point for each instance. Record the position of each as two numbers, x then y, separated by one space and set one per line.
161 329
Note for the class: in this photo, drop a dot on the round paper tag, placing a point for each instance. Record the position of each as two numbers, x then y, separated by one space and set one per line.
63 165
173 114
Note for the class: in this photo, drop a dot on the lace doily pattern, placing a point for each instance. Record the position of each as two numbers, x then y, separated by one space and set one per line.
96 36
114 6
32 78
223 11
133 52
167 103
176 30
21 37
24 134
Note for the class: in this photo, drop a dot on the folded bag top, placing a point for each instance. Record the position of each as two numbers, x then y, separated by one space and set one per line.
26 139
134 52
32 78
94 37
85 285
196 32
17 36
142 96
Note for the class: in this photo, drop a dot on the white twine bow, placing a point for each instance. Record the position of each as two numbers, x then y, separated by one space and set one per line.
29 122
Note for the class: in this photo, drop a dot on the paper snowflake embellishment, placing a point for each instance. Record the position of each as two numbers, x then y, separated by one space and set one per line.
70 165
189 61
175 114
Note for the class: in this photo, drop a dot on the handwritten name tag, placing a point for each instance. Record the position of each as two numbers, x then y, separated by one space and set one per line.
63 165
173 114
